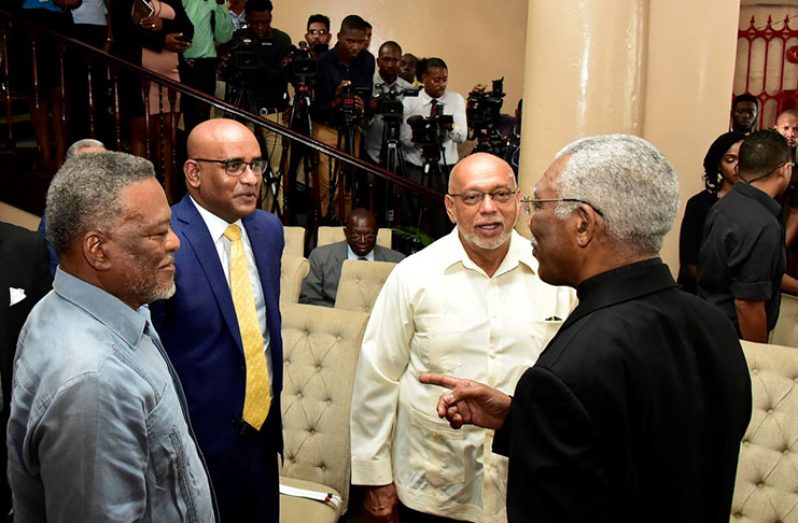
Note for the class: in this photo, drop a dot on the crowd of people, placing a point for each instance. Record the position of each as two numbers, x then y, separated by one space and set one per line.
497 381
204 43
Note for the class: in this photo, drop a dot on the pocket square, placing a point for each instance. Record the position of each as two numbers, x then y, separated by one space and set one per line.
17 295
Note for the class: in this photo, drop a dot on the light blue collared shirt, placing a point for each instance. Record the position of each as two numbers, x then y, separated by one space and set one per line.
98 429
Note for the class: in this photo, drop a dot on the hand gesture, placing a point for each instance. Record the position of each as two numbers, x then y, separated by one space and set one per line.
469 402
380 504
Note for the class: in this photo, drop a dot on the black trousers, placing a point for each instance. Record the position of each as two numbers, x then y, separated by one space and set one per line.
200 74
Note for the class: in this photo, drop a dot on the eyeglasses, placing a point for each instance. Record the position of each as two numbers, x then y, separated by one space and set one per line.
237 166
319 32
475 197
531 205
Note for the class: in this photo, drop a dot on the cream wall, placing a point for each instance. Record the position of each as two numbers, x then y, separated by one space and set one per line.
480 41
632 66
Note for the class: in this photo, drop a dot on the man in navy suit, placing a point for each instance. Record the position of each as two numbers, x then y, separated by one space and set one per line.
200 327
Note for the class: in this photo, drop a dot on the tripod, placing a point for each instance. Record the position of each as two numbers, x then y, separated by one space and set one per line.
392 159
295 154
246 98
341 178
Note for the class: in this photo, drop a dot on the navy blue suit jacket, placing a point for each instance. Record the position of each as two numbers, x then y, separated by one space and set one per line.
199 329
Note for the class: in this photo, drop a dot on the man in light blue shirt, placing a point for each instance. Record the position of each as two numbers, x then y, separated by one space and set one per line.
98 428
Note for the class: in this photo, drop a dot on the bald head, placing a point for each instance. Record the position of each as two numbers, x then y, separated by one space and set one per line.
230 194
361 231
479 165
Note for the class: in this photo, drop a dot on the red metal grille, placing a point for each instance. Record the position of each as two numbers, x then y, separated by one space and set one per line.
769 57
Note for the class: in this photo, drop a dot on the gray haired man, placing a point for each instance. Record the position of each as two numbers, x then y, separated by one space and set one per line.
98 428
637 407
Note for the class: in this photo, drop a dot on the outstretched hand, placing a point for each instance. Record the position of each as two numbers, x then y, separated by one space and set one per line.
469 402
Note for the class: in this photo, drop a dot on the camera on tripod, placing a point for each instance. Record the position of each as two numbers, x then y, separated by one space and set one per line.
347 109
483 112
390 100
300 66
484 108
430 130
244 65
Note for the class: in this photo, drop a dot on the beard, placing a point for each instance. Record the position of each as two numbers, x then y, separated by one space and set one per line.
490 245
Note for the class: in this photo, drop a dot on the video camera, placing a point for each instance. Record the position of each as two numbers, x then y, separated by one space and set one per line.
483 110
244 65
390 100
300 66
347 109
430 132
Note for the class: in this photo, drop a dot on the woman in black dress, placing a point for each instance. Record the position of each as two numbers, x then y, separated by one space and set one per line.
720 174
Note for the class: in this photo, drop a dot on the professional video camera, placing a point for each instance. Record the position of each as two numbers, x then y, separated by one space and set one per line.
430 132
347 109
300 66
390 99
243 66
483 112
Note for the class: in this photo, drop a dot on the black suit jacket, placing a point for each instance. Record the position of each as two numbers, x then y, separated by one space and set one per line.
635 410
24 266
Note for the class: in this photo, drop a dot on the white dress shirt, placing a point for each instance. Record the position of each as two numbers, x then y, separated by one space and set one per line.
453 104
216 227
440 312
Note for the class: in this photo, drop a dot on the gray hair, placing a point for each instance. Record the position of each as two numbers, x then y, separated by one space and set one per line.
75 148
629 181
85 194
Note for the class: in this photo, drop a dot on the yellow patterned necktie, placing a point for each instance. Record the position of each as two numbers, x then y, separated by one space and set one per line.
258 397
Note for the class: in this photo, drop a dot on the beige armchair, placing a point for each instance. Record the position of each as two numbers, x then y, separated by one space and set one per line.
786 330
320 351
293 270
767 475
360 283
294 240
327 235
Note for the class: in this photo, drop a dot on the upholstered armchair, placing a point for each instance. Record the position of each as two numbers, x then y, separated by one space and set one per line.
786 330
294 241
320 352
293 270
360 283
327 235
766 490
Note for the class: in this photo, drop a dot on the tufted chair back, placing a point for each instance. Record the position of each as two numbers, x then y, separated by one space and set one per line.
294 240
786 330
327 235
320 351
767 475
293 270
360 283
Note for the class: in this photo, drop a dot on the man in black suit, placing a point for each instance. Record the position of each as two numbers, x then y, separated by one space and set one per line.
636 409
24 280
321 284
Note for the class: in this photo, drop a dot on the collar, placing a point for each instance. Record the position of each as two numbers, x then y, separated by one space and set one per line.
758 195
216 226
401 82
109 310
350 254
619 285
519 252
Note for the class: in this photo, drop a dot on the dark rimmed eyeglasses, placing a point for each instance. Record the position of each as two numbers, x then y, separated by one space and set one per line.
475 197
531 205
237 166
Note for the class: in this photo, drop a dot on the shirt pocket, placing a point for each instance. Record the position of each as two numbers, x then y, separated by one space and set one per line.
439 340
440 455
174 487
542 331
